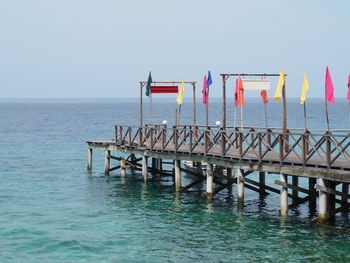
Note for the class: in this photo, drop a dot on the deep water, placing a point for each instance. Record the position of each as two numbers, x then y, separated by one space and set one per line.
52 210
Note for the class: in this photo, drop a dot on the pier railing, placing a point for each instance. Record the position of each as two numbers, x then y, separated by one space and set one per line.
315 148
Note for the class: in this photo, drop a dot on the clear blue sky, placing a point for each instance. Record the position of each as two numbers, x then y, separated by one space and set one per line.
84 48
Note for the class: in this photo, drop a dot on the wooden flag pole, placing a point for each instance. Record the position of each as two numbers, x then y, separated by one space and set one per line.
207 114
305 115
241 118
326 104
150 107
265 109
349 113
178 115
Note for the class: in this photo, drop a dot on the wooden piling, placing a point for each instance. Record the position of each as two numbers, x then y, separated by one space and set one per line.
262 183
345 190
123 168
177 176
240 187
107 161
295 182
210 180
313 194
144 168
323 202
89 164
284 196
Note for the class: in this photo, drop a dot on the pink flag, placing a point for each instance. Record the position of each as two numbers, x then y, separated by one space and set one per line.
237 93
205 90
349 88
329 88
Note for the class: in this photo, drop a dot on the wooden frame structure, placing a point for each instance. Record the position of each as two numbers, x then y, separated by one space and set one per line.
193 83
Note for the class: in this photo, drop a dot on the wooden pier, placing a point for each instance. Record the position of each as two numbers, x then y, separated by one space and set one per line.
321 156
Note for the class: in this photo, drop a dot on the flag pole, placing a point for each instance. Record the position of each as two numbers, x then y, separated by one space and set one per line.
150 107
207 114
265 108
349 113
178 115
325 101
241 117
305 115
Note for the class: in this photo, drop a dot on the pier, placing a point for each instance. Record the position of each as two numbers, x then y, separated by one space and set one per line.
233 153
321 156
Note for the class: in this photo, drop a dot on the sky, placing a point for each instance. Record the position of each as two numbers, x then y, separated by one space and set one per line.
102 49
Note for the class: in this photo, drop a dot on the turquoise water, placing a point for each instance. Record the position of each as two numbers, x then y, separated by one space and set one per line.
52 210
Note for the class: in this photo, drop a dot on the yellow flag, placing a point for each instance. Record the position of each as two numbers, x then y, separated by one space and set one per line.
305 88
181 93
280 84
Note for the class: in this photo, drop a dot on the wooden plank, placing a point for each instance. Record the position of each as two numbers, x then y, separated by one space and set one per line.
331 191
296 188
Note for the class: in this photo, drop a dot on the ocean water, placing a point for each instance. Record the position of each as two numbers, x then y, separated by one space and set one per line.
52 210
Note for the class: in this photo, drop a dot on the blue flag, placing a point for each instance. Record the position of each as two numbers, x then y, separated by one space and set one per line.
209 80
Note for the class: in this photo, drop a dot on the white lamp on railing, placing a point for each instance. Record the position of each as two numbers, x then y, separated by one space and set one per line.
165 122
218 123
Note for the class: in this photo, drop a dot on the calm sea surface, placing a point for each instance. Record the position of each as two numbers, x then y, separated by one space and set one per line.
52 210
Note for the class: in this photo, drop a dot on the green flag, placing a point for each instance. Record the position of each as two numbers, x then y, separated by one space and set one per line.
148 86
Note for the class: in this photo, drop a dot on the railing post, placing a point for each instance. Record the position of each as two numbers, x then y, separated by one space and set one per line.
152 139
281 148
223 141
116 134
176 138
305 146
206 140
191 139
121 135
259 145
328 149
130 130
163 138
240 145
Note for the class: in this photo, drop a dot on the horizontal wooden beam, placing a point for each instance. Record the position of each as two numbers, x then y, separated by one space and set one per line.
294 187
331 191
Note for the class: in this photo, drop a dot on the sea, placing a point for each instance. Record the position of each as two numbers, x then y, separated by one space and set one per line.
53 210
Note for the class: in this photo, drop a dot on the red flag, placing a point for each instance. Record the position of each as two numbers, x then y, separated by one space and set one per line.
205 90
349 88
264 97
241 93
329 88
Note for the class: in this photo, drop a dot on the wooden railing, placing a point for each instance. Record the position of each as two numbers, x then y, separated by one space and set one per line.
316 148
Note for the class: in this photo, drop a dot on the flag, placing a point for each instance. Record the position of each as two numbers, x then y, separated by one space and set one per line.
205 90
303 91
209 81
236 93
349 88
181 93
280 84
241 92
264 97
329 88
148 85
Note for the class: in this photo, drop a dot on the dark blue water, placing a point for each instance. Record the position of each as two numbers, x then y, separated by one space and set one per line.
52 210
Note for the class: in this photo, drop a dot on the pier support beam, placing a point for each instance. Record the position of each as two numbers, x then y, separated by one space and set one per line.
144 168
262 183
323 202
295 182
89 164
210 180
123 168
345 190
313 194
107 161
284 196
240 187
177 176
